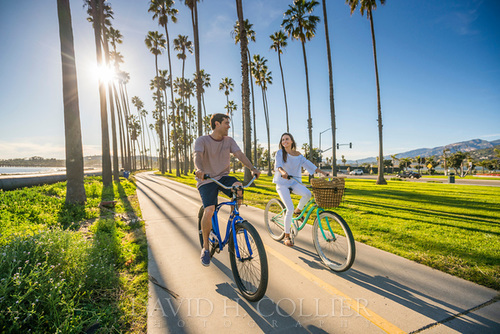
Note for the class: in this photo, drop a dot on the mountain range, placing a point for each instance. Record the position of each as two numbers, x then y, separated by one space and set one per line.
464 146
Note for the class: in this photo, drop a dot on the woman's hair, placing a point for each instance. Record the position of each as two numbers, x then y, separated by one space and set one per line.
294 146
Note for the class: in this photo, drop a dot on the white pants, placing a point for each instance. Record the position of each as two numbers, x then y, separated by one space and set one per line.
284 192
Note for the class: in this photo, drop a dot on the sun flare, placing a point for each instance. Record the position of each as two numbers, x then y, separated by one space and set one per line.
104 73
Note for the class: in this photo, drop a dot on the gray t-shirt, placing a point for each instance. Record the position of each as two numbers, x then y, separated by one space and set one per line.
215 156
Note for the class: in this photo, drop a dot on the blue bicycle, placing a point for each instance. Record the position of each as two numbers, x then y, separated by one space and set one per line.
246 250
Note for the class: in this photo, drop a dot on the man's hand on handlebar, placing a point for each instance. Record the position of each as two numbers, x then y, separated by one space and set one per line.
200 174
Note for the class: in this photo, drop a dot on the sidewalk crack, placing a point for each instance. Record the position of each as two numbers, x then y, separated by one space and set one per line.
458 315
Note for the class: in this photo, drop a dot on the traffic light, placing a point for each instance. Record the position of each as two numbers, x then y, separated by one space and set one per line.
350 145
338 146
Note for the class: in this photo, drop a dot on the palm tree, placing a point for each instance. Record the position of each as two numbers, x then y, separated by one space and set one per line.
227 86
192 4
137 102
96 12
164 83
279 42
205 83
369 6
75 190
245 91
250 35
262 79
231 107
124 78
155 43
300 24
164 11
330 82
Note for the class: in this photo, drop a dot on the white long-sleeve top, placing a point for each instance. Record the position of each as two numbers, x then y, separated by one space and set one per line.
293 166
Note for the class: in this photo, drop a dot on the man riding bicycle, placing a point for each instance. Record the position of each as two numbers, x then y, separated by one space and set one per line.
212 157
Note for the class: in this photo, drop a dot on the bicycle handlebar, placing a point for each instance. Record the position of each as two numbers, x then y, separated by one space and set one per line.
206 176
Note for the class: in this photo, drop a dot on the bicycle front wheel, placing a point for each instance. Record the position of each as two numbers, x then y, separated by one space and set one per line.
333 241
250 268
274 218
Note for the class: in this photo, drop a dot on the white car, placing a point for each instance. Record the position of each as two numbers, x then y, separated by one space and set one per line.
356 172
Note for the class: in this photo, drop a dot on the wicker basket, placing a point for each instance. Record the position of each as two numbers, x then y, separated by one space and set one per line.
328 194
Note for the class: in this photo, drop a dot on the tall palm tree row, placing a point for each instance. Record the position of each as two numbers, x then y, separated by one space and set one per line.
300 24
95 9
369 6
156 43
183 44
164 11
75 190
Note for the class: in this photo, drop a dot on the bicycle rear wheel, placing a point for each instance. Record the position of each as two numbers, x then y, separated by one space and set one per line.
333 241
274 218
250 269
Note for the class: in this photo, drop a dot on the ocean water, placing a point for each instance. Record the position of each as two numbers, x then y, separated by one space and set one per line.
29 170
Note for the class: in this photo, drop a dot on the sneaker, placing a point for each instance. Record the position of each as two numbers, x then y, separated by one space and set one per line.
205 257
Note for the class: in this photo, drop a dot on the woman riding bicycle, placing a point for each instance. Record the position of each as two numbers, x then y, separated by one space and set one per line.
289 162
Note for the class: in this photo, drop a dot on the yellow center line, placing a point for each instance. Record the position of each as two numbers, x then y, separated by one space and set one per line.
371 316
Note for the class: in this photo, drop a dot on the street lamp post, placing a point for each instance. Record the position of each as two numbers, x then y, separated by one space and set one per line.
321 152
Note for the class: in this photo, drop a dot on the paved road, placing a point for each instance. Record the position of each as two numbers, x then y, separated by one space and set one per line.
380 293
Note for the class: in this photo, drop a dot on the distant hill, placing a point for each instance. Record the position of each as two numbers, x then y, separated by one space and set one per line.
465 146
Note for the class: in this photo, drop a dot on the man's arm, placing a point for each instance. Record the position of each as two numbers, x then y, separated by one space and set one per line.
198 165
246 162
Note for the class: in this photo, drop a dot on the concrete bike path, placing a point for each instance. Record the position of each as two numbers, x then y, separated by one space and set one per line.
380 293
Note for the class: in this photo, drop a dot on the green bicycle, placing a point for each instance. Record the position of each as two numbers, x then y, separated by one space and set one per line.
332 237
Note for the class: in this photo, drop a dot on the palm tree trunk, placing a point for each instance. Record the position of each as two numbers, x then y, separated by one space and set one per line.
309 118
97 9
266 110
332 104
168 134
126 113
75 190
245 91
255 162
380 178
119 114
116 175
284 93
197 59
176 143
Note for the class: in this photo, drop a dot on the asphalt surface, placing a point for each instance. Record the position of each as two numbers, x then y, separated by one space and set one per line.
380 293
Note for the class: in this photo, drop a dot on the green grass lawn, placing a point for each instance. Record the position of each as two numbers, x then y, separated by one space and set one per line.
72 268
453 228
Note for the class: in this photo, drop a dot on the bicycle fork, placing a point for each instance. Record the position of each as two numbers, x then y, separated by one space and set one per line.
247 241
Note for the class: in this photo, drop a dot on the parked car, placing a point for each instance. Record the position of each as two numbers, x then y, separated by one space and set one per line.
356 172
410 174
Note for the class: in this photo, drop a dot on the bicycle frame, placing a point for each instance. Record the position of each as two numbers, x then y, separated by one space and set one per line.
233 219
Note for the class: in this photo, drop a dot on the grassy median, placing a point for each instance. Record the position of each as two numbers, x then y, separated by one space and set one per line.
72 268
453 228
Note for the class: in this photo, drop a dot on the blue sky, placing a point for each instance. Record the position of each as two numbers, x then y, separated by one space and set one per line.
439 68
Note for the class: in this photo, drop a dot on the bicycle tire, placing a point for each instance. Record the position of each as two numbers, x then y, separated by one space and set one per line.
337 250
250 274
274 219
213 248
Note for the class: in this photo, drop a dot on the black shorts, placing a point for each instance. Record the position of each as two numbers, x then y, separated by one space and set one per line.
210 191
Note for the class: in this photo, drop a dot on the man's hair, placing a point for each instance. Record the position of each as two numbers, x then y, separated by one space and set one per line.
217 118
